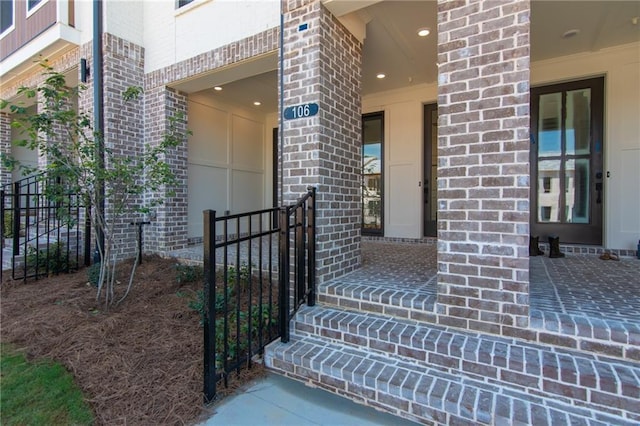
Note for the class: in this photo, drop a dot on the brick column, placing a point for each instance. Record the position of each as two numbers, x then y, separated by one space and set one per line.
322 65
5 146
168 229
123 67
483 174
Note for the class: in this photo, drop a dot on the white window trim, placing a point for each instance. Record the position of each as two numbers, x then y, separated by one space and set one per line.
189 7
37 6
13 22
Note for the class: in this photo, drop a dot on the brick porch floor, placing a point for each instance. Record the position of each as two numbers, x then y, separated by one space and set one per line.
579 285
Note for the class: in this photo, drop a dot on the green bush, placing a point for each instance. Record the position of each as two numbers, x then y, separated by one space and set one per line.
7 232
188 273
93 274
54 259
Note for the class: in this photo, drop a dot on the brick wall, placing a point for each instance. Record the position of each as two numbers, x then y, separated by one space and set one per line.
483 173
322 64
168 230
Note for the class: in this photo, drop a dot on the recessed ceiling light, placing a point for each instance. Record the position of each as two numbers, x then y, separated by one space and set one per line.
423 32
381 75
217 88
257 103
571 33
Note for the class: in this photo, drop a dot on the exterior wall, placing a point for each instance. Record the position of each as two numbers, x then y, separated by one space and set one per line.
173 35
171 230
227 160
123 121
621 68
403 147
26 28
125 19
483 173
168 230
322 64
622 136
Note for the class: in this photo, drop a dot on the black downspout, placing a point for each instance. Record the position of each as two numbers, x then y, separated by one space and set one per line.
281 130
98 111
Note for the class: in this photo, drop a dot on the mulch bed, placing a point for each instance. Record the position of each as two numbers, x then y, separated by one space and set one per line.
137 363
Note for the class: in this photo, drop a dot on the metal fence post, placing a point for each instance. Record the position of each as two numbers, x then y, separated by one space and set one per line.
311 247
300 234
210 311
87 233
1 230
16 218
283 278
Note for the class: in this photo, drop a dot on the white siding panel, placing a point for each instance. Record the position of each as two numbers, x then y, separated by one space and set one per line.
207 190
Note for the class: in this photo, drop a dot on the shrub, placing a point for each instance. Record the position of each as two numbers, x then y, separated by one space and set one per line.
52 259
188 273
7 231
93 274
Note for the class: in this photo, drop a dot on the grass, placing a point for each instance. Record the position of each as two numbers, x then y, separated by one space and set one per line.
40 392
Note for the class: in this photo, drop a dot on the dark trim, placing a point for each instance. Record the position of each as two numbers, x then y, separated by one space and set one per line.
366 117
575 233
430 225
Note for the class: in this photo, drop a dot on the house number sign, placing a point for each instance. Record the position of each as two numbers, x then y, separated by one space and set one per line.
300 111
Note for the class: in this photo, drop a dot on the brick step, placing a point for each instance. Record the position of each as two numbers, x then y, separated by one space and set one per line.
597 336
575 377
428 395
380 298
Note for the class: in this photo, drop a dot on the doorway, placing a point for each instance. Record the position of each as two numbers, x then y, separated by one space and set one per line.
430 171
567 186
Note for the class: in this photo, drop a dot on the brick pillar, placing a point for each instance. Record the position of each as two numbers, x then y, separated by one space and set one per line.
483 174
123 67
168 229
322 65
5 146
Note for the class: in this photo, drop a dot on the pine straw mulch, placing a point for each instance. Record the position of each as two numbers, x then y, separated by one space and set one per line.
137 363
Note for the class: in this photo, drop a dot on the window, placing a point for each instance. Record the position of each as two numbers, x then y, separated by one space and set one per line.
181 3
32 3
6 15
372 168
546 184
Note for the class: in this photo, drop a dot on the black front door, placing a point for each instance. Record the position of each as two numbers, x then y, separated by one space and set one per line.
430 171
567 186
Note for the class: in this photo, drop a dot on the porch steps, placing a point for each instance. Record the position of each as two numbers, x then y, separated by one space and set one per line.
437 375
596 336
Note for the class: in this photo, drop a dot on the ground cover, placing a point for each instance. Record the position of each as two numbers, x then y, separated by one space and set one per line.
136 363
45 387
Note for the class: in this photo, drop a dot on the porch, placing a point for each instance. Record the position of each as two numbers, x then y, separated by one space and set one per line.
578 296
374 340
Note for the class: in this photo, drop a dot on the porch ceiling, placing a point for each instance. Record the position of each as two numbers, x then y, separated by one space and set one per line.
393 47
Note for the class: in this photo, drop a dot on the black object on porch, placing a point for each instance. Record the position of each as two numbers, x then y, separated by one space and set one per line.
251 288
49 233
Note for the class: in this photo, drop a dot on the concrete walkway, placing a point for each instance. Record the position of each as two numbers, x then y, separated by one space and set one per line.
279 401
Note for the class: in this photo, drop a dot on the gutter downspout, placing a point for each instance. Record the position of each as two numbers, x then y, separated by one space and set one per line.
98 111
281 132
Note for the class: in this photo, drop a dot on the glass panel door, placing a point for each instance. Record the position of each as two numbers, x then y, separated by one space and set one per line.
430 173
372 173
567 161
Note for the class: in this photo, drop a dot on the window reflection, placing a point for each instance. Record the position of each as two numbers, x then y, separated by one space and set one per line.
372 167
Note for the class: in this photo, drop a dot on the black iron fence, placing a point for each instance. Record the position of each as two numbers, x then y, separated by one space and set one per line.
259 268
41 236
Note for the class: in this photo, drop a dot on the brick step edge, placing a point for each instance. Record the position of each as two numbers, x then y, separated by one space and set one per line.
418 393
594 335
576 378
